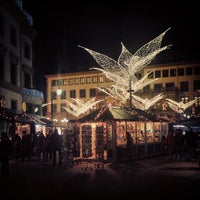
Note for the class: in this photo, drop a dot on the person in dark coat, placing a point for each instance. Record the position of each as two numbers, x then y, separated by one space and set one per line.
26 146
17 145
5 152
56 146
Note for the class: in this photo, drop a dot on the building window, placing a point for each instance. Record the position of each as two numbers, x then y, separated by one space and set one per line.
13 36
76 81
196 85
70 81
169 86
94 79
53 83
93 92
56 82
82 93
165 73
88 80
157 74
172 72
53 95
13 73
158 87
63 94
27 80
188 71
181 72
196 70
72 93
59 82
65 82
101 79
184 86
82 80
27 51
14 105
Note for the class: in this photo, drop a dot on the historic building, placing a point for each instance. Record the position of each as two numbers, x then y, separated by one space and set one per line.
177 81
17 93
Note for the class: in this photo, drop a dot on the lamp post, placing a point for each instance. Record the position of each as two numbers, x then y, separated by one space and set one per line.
58 92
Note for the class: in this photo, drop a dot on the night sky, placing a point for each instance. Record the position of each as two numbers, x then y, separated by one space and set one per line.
63 25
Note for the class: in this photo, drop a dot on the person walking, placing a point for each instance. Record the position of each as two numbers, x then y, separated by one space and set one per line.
56 146
26 146
179 144
5 152
170 143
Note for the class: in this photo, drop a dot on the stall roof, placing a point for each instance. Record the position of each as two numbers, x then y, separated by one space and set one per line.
9 115
38 119
109 113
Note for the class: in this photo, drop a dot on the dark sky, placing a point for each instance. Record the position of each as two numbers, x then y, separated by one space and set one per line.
63 25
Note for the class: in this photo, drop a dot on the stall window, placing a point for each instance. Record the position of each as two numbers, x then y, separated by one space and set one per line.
149 132
131 128
157 132
140 132
121 134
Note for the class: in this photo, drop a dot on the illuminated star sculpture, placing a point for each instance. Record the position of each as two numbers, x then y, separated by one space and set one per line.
123 71
80 107
179 107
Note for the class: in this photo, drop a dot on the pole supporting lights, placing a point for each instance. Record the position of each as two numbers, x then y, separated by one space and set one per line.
130 94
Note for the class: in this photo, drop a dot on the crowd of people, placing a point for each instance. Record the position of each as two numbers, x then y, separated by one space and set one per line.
47 146
183 146
22 148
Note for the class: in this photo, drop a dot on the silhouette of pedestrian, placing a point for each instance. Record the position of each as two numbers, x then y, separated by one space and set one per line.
56 146
129 145
170 143
5 152
26 146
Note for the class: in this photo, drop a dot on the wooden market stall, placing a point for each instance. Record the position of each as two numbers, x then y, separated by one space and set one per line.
112 133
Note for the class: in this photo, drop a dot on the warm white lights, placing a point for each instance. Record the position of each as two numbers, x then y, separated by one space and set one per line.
80 107
179 107
123 71
59 91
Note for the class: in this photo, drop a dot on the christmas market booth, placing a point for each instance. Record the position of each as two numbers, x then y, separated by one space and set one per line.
16 123
112 133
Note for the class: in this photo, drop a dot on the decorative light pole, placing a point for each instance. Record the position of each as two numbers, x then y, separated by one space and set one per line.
130 94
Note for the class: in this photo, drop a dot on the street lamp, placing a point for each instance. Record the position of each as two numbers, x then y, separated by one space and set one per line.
58 92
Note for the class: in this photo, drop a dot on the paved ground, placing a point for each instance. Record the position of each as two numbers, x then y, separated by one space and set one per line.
152 178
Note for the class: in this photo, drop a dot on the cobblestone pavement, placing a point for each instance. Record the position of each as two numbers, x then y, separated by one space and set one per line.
152 178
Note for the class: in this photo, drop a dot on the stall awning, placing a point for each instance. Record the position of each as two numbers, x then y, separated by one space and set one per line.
38 119
109 113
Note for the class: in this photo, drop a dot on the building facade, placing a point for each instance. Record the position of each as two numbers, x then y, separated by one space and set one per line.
178 81
17 93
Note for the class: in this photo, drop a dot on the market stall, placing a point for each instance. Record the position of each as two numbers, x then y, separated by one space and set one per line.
112 133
